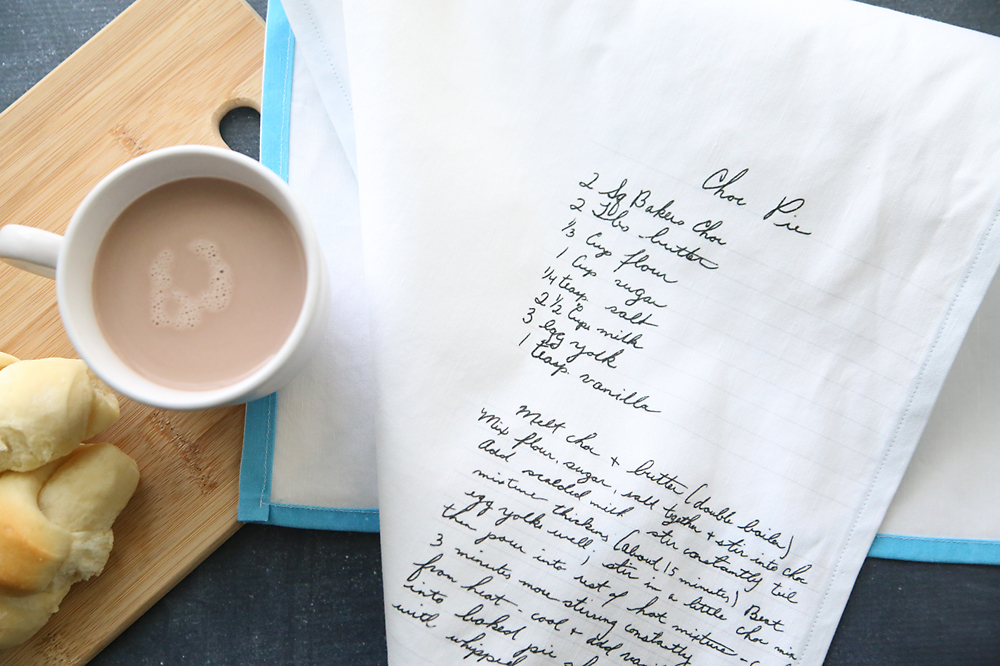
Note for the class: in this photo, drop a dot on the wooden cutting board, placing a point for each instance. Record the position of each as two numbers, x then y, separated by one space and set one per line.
163 73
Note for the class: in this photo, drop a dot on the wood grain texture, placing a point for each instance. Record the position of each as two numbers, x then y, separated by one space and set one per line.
163 73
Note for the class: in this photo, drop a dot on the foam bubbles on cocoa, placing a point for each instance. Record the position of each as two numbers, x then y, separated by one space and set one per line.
174 307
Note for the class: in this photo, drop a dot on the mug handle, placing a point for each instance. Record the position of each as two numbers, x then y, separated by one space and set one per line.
30 249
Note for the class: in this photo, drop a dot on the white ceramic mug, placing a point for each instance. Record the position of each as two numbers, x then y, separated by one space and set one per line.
70 260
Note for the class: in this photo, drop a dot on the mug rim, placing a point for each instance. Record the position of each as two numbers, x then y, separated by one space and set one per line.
78 254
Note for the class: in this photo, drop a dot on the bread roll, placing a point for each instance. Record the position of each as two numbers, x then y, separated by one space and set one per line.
89 489
6 359
47 407
32 547
55 530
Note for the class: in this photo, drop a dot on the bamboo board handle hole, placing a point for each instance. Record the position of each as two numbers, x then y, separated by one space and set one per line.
240 129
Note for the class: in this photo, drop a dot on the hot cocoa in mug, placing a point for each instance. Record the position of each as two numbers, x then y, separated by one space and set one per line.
188 278
198 283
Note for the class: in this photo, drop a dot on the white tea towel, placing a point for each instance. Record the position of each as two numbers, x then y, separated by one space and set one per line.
663 295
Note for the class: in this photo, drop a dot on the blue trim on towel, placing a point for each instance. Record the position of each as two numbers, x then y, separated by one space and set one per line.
258 431
929 549
322 518
255 467
276 103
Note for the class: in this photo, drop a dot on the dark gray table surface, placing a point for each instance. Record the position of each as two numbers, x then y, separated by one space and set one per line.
282 596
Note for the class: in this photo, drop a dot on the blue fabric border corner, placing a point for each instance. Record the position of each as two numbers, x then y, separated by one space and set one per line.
258 431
